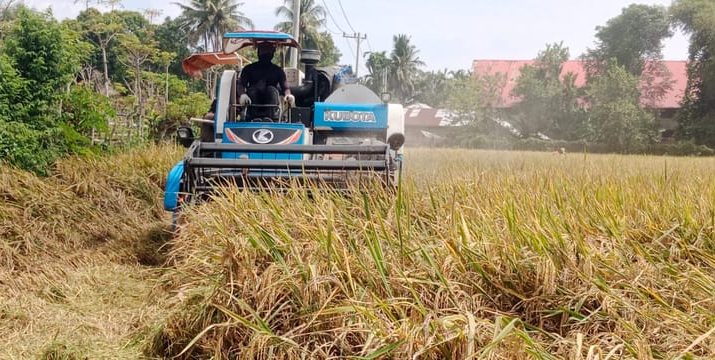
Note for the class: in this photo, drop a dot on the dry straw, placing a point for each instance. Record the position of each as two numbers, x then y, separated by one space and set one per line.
77 256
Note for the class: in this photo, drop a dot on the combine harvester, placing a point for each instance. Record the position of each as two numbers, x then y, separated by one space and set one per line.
338 134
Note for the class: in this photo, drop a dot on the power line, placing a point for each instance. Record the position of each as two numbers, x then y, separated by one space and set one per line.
330 14
358 37
369 46
330 30
350 46
345 15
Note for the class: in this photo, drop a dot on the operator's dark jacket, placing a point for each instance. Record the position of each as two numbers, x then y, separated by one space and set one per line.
262 74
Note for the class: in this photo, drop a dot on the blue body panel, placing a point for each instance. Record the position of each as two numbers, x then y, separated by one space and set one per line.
350 116
269 126
171 191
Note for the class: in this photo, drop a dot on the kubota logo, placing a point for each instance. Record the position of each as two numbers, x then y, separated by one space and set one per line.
262 136
356 116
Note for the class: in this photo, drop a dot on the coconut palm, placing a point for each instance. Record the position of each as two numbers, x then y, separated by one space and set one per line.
405 64
208 20
378 66
312 18
112 4
85 2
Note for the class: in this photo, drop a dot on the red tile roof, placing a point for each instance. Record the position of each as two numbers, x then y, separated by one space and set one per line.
512 70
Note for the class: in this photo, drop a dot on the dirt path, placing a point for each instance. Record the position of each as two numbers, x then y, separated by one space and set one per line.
78 256
85 306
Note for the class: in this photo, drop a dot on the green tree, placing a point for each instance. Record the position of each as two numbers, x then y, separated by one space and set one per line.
312 19
86 111
97 28
28 148
473 100
136 54
37 67
632 38
13 91
173 38
697 118
329 53
164 59
102 30
135 23
549 102
431 87
616 116
208 20
6 7
47 57
182 107
378 66
404 66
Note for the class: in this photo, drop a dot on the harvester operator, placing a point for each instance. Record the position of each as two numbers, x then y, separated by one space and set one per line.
263 81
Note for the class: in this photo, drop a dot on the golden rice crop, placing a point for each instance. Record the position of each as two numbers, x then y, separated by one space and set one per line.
479 255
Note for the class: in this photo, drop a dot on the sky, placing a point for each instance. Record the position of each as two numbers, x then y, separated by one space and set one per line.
449 34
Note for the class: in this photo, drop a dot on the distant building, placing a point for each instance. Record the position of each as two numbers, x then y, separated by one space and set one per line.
667 105
425 125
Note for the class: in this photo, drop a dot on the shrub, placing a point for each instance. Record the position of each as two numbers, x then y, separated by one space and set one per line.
85 110
26 148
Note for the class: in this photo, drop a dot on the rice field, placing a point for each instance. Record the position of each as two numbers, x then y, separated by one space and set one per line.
493 255
481 255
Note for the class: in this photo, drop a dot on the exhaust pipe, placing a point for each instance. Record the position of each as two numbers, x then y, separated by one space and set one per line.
309 58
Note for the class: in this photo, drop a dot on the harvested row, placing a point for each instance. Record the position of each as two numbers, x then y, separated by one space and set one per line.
88 202
77 252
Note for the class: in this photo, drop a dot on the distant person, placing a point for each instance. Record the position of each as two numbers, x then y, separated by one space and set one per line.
263 81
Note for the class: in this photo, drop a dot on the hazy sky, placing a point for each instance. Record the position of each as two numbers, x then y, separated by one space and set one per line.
448 33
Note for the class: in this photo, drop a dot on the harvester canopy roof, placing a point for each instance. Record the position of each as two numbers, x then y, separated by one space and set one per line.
235 41
194 64
232 42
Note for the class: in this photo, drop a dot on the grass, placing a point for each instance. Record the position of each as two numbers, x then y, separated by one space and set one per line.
481 255
498 255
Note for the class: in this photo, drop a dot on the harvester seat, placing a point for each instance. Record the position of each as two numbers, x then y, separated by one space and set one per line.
265 104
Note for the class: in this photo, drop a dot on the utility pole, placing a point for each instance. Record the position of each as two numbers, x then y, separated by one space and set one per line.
296 33
359 37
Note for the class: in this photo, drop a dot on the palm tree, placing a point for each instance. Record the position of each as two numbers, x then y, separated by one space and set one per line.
405 64
85 2
112 4
208 20
312 18
151 14
378 66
